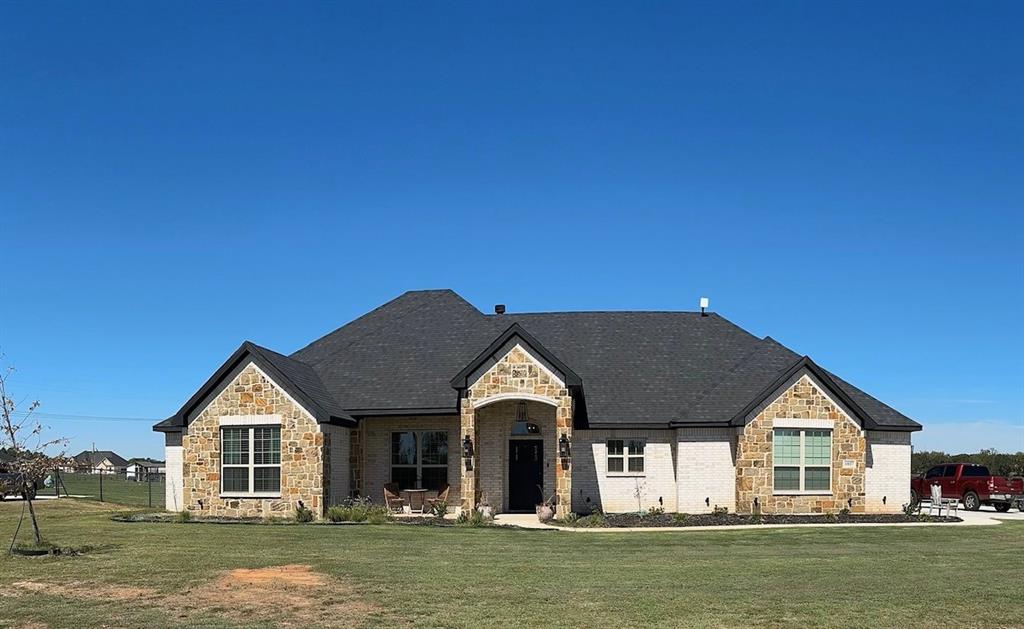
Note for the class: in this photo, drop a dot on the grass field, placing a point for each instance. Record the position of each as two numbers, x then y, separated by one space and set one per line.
115 489
384 576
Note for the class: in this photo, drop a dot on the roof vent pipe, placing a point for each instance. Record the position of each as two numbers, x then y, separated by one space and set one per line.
499 308
704 306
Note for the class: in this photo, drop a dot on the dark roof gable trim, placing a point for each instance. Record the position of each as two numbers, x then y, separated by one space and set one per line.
461 381
805 363
255 354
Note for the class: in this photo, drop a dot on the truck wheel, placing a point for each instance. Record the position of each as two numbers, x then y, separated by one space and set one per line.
914 499
971 502
1002 507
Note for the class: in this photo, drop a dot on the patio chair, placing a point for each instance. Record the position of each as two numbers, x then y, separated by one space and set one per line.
938 502
392 500
442 496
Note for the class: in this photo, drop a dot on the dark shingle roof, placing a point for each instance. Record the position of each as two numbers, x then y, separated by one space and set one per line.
92 458
636 368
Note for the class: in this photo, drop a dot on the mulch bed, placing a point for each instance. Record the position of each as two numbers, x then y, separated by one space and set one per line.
634 520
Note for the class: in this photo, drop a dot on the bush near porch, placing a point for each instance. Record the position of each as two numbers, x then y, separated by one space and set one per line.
386 576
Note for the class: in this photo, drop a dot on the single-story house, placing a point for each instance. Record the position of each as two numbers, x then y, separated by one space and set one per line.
142 469
623 411
98 462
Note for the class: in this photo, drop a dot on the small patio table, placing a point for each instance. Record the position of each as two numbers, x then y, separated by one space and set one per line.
415 498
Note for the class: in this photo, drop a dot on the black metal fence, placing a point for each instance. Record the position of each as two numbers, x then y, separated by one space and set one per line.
145 490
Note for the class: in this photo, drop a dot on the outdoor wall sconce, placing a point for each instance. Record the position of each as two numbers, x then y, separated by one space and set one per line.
563 447
849 502
883 499
707 501
467 451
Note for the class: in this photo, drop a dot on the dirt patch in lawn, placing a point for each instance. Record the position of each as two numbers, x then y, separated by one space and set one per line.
292 595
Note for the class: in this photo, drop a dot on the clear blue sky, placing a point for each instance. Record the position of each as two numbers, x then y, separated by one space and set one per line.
175 178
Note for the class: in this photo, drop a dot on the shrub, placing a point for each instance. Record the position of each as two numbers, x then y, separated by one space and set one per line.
183 516
439 508
911 508
656 511
358 510
719 510
471 517
302 514
337 513
680 518
844 511
378 515
570 519
594 520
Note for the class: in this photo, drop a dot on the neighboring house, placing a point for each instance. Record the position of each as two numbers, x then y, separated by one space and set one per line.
142 469
622 410
99 462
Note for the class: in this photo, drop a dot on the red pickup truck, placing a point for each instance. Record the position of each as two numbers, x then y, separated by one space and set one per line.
972 484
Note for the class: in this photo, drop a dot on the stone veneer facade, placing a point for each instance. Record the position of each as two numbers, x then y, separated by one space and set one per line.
517 373
803 400
304 449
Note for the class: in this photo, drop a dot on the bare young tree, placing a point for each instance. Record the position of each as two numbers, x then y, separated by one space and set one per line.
21 435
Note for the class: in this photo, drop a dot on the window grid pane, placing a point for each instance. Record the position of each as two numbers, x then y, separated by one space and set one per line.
817 447
636 447
235 444
435 448
435 478
236 479
615 464
636 464
403 448
267 479
405 477
266 446
615 447
787 478
787 447
816 479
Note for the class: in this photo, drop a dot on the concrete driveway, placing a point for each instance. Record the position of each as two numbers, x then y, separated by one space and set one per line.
985 513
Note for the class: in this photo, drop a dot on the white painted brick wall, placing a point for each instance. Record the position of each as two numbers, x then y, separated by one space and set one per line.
377 450
707 471
888 471
175 485
339 472
613 493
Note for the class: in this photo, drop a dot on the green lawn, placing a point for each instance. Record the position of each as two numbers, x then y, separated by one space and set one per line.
115 489
146 574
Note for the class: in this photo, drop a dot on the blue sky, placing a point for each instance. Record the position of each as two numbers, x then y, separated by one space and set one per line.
175 178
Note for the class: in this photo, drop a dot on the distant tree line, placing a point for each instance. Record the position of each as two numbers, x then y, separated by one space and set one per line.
1000 464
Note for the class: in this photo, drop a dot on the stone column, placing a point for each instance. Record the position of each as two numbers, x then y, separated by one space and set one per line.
563 468
468 427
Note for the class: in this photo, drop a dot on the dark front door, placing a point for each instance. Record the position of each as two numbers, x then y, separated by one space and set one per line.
525 474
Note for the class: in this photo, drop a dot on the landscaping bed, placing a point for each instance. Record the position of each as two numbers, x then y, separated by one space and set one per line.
642 520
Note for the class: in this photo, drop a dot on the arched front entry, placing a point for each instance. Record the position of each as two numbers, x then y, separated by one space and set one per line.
517 443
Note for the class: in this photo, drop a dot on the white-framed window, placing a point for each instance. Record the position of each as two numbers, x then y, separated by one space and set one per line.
802 460
250 460
625 456
419 459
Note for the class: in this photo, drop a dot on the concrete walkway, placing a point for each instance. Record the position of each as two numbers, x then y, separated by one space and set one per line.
986 517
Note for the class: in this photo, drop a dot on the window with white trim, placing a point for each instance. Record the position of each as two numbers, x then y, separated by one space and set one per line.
625 456
250 462
802 459
419 459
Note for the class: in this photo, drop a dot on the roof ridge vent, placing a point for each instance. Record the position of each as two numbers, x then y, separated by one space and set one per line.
499 308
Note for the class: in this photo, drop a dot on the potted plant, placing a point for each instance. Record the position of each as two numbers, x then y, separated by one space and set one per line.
546 509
